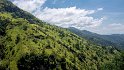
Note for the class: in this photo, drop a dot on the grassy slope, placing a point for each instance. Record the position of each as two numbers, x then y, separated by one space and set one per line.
41 46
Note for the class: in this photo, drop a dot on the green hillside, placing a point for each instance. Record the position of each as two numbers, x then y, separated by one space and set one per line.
28 43
115 40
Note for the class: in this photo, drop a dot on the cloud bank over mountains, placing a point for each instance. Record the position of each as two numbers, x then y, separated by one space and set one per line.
64 17
69 16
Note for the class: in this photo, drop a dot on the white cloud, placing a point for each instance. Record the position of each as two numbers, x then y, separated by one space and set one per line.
114 28
99 9
29 5
64 17
115 24
69 17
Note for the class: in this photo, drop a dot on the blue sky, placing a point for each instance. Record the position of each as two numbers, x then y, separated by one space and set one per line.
114 9
99 16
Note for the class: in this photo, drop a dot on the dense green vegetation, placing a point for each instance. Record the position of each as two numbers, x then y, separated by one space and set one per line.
40 46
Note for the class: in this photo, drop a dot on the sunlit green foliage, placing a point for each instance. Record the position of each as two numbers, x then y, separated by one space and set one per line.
40 46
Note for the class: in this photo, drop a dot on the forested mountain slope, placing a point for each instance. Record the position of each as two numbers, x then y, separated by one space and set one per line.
25 45
115 40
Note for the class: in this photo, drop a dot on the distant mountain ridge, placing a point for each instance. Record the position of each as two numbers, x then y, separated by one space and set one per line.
115 40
